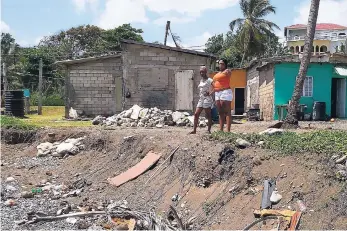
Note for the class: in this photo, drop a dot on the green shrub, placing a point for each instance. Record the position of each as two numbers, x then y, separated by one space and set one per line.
50 100
15 123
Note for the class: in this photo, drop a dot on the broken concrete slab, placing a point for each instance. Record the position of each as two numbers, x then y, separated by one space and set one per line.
135 112
243 143
177 116
272 131
143 112
150 159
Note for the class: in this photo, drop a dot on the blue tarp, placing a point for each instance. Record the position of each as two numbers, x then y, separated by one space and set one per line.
26 92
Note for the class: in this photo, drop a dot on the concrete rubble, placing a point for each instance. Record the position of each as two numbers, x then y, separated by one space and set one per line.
60 149
148 117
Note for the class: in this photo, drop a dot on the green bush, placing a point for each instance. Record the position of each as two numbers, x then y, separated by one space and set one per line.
15 123
325 142
50 100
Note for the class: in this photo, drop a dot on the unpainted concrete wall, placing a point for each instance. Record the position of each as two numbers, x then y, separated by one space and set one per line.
92 86
149 74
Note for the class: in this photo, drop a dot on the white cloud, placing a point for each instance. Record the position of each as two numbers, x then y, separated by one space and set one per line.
175 20
118 12
24 43
330 11
191 7
4 27
83 5
280 35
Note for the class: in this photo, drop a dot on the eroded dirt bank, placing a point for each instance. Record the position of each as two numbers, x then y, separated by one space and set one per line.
220 192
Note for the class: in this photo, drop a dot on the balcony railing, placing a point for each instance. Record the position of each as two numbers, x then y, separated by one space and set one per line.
318 37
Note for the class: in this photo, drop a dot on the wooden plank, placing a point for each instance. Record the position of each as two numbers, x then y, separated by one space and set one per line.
150 159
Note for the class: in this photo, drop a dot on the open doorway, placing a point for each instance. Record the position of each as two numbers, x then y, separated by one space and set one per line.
239 101
338 98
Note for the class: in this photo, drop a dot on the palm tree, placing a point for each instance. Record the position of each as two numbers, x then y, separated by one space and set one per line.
253 26
291 118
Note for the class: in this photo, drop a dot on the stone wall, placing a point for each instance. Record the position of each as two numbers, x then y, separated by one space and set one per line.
92 86
149 75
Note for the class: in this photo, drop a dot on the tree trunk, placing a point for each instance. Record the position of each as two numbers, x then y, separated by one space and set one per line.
291 120
244 54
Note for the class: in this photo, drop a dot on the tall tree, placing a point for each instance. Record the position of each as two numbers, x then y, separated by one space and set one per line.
215 44
291 118
89 40
253 27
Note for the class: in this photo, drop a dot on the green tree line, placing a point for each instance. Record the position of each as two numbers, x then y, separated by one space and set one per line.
22 63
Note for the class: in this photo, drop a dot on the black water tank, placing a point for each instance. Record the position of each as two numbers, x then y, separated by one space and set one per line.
319 111
14 103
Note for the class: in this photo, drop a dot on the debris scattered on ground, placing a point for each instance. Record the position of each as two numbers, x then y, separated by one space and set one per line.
341 160
275 197
301 205
9 179
272 131
59 149
150 159
148 117
242 143
26 194
10 202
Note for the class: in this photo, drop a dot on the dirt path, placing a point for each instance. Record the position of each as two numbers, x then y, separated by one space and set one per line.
233 188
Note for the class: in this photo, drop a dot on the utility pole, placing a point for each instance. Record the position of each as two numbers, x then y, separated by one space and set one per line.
40 89
4 76
166 31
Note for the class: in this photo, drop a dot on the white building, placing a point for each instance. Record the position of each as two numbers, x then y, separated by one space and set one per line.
328 38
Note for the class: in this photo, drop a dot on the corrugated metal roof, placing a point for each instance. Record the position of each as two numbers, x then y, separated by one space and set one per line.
170 48
84 60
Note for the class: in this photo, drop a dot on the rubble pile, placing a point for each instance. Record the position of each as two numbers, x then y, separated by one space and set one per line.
341 167
60 149
148 117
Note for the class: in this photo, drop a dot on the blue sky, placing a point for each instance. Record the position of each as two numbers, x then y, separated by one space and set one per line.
193 20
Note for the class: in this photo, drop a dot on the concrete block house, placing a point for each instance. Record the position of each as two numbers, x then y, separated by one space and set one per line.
270 85
146 74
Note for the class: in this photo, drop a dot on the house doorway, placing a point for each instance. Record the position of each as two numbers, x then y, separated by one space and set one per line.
239 101
338 98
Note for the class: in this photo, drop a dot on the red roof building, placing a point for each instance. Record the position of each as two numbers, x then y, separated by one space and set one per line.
319 26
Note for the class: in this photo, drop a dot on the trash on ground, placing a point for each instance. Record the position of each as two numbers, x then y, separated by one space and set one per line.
59 149
267 192
150 159
275 197
272 131
301 205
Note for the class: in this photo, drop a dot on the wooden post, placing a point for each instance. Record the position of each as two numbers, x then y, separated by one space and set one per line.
166 31
67 106
40 89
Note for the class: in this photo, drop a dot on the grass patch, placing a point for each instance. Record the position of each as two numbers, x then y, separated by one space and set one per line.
9 122
326 142
53 116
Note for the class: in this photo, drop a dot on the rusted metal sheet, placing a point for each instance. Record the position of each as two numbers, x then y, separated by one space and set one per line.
135 171
184 90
